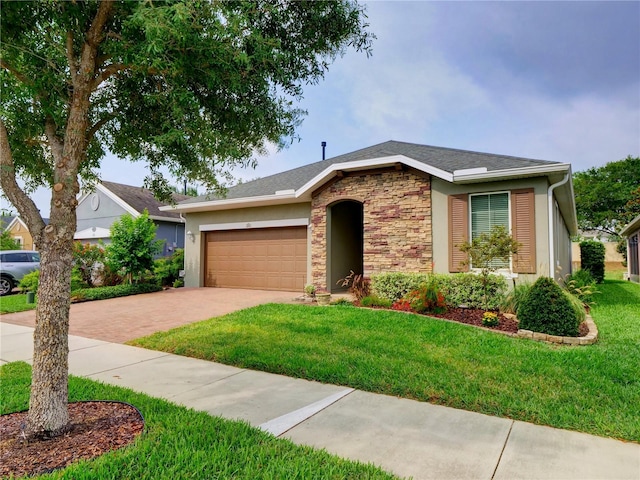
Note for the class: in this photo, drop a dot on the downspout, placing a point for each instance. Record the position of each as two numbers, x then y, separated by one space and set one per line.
551 235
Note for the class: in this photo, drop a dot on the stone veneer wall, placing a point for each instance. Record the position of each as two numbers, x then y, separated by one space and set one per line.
397 222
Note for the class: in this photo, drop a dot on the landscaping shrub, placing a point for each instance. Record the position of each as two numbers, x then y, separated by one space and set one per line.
549 309
458 289
102 293
375 301
468 289
359 286
581 285
427 298
514 298
394 286
167 270
592 258
30 282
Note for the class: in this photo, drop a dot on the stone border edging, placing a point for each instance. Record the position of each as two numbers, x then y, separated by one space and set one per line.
589 339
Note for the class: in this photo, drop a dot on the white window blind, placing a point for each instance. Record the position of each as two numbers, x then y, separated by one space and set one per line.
488 211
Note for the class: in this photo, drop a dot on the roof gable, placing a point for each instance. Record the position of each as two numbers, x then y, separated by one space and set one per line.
136 199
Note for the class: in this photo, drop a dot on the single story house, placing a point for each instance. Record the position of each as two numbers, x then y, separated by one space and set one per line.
632 232
98 209
19 231
391 207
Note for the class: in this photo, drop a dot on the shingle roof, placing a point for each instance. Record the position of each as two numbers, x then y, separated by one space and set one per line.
140 198
446 159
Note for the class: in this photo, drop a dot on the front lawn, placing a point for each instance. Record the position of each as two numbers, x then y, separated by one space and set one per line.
594 389
15 303
182 443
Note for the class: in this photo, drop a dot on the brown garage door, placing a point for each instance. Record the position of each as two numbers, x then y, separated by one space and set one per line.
261 258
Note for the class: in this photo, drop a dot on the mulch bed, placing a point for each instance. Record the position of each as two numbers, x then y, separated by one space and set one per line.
473 316
95 428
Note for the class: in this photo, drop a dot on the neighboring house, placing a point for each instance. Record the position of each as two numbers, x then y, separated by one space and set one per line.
97 210
19 231
390 207
632 232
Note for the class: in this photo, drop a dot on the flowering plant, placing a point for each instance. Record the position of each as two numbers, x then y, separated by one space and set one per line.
490 319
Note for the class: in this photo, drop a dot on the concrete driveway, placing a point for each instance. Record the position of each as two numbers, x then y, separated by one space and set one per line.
121 319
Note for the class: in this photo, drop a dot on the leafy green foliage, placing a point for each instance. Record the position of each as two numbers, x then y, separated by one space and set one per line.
102 293
581 285
487 252
7 242
549 309
375 301
133 245
458 289
592 254
395 285
605 195
167 270
198 113
514 298
30 282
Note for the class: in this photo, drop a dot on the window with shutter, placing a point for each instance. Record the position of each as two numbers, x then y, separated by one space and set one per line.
488 211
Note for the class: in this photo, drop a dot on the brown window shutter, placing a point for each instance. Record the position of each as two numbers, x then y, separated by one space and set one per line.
523 230
458 231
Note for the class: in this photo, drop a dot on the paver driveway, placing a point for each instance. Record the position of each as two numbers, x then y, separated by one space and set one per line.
120 319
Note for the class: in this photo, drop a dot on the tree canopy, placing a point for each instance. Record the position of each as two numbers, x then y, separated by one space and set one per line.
196 86
608 197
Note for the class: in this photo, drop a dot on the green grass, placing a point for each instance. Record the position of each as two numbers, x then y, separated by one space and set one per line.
179 443
594 389
15 303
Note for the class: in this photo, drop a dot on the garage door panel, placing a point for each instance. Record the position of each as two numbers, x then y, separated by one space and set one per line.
272 259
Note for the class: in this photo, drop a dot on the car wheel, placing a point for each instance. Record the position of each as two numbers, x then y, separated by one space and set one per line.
6 286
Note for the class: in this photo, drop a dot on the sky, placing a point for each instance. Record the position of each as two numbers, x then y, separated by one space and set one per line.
547 80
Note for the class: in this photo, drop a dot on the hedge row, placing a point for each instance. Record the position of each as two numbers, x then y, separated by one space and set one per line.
102 293
458 289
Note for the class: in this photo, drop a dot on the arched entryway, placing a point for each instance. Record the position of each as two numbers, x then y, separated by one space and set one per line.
345 227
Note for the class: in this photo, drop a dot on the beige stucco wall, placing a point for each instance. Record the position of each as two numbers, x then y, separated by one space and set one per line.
440 190
194 250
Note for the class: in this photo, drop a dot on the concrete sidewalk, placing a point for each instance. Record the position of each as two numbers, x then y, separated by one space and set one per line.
402 436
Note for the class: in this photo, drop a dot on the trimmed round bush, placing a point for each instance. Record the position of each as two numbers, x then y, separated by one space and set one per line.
548 309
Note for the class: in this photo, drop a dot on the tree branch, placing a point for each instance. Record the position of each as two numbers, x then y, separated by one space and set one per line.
96 126
20 76
25 206
109 70
73 65
55 143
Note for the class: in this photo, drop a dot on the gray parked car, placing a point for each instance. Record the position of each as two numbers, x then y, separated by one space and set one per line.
15 264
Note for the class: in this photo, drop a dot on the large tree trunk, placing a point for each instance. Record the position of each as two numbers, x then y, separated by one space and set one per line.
48 414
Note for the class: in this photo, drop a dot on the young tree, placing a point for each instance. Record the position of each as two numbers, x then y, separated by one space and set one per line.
602 195
133 245
490 252
193 86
